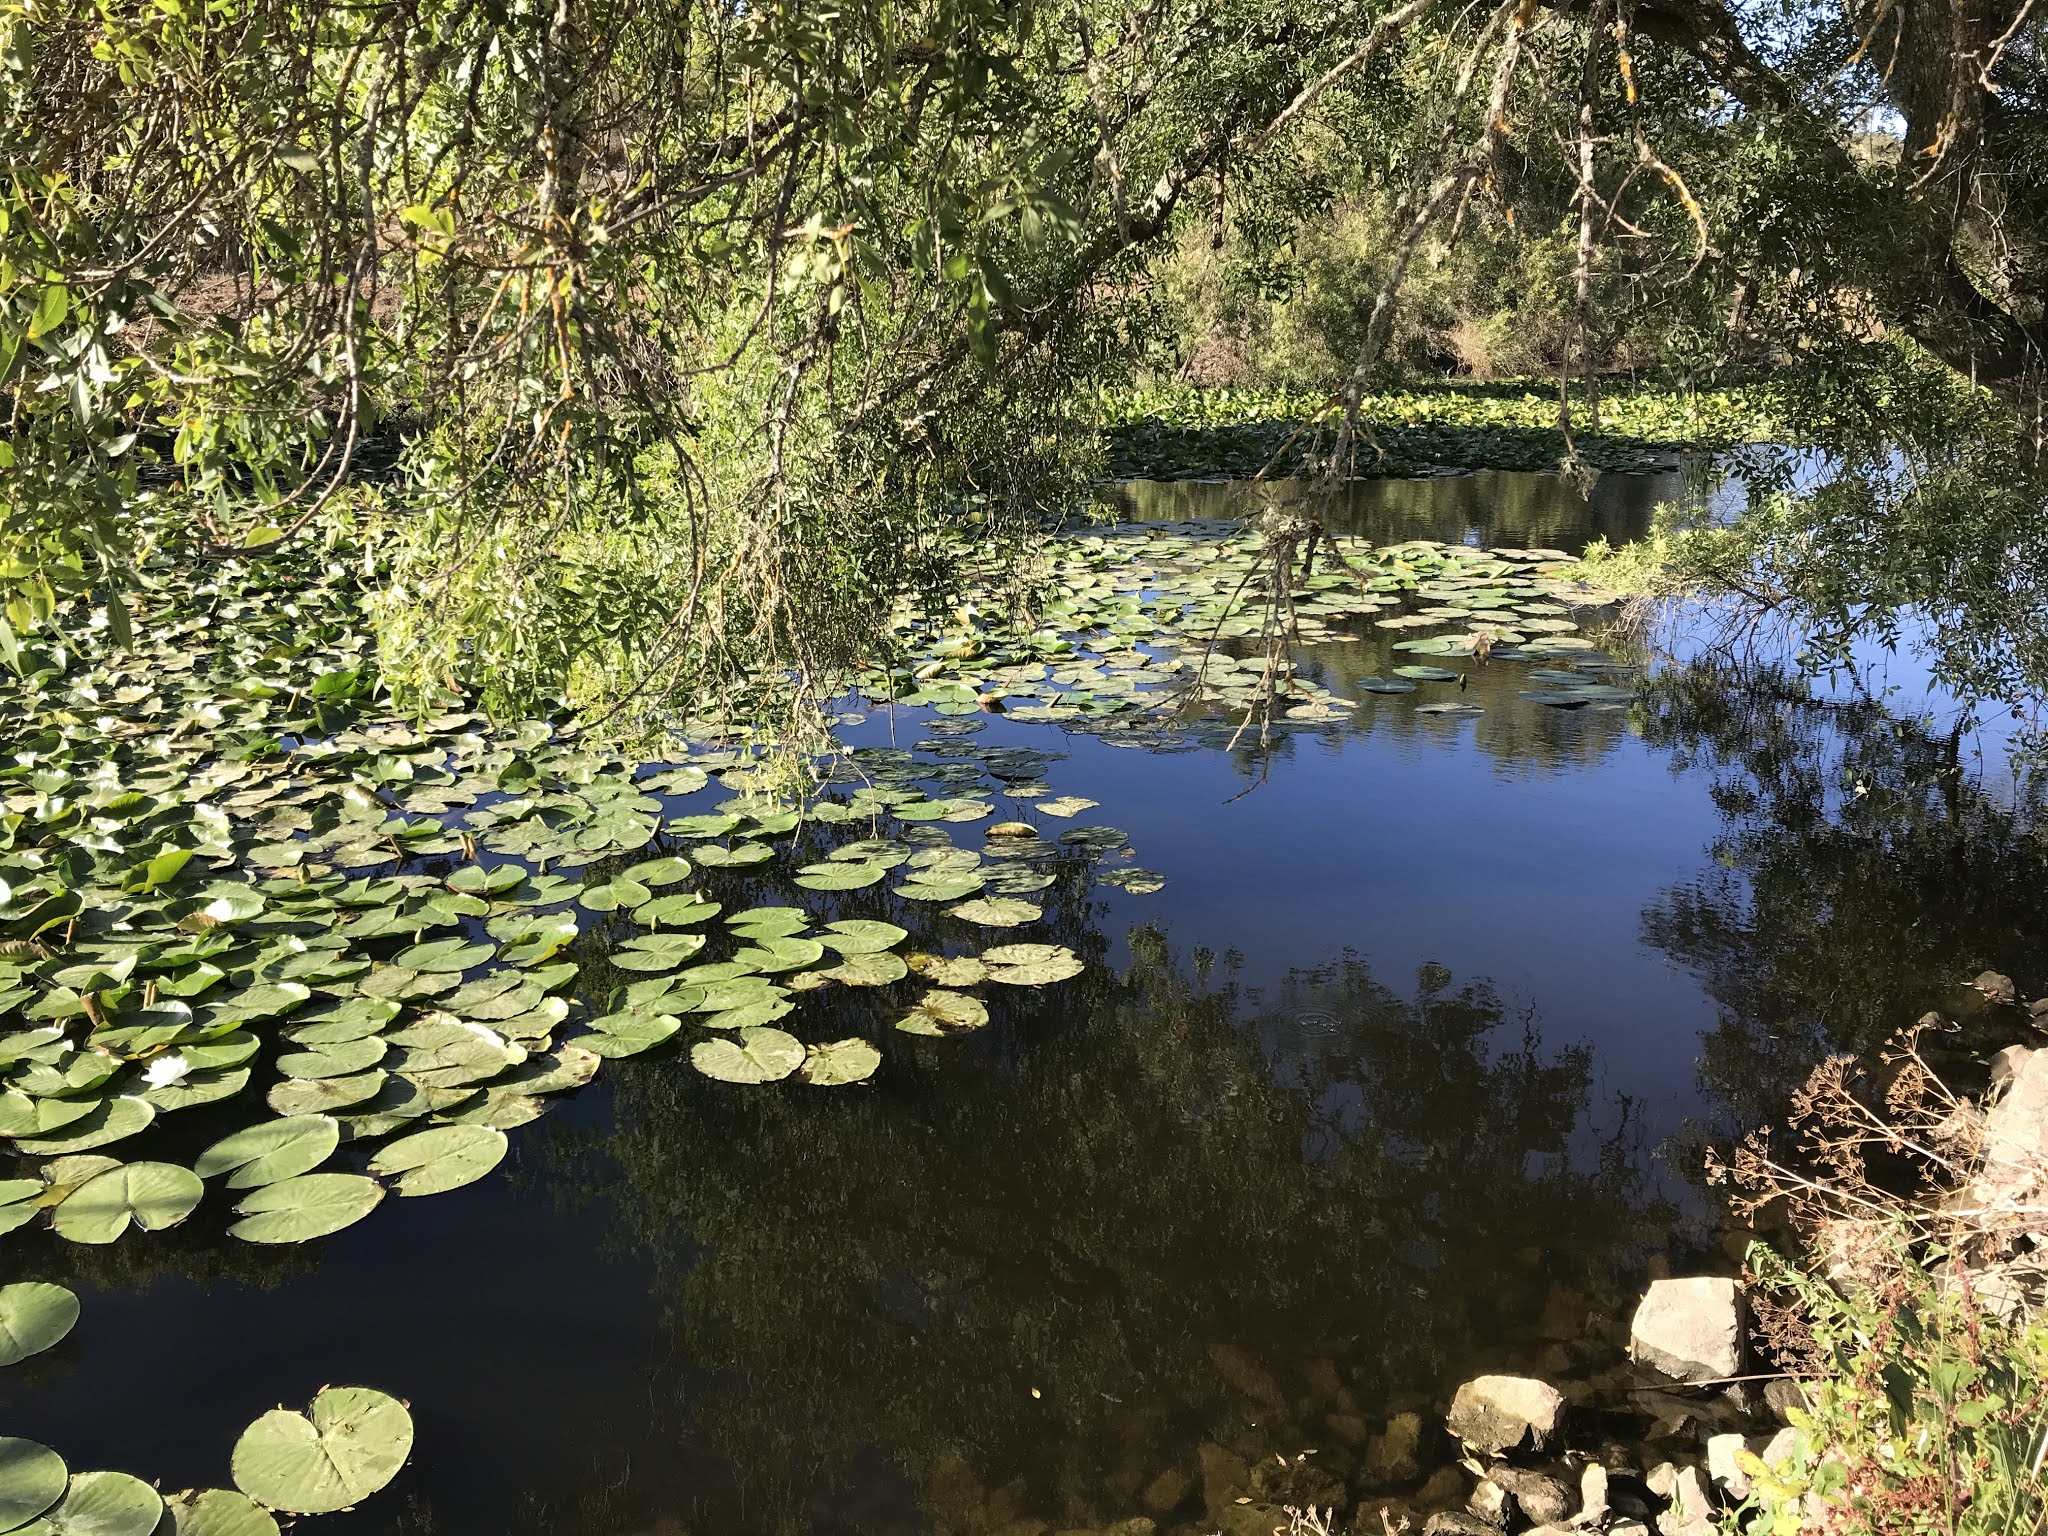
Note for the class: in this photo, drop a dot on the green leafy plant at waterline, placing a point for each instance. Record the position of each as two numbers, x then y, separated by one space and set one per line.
1925 1416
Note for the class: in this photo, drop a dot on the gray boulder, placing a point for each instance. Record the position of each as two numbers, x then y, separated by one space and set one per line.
1494 1414
1544 1500
1691 1329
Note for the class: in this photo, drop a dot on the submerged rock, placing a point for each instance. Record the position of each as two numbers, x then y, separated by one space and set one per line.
1494 1414
1451 1522
1163 1495
1248 1376
1690 1329
1392 1457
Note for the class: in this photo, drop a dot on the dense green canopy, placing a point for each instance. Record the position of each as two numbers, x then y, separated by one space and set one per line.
646 343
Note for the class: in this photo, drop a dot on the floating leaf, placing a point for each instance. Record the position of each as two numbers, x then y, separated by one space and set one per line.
944 1013
656 951
320 1096
297 1210
996 912
675 911
32 1478
659 872
873 970
774 955
271 1151
102 1504
448 1157
443 955
33 1316
861 936
110 1121
151 1195
350 1443
216 1512
757 1056
1031 965
627 1034
843 1061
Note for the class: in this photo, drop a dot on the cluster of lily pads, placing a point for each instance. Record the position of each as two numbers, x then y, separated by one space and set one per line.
390 942
1141 623
1179 431
349 1443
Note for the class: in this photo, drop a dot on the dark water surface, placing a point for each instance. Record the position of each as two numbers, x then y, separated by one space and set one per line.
1390 1084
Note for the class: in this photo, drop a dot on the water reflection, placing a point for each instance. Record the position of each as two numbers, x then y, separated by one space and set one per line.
1861 873
1035 1272
1489 508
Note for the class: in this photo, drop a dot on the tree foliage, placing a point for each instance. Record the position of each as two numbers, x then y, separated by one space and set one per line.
644 341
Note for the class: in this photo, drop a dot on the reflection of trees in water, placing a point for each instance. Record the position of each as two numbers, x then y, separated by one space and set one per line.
1518 510
1835 914
1518 736
1011 1257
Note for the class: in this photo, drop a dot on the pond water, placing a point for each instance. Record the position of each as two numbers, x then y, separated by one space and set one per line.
1394 1081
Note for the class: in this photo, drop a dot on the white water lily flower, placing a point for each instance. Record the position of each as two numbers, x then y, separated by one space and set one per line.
165 1070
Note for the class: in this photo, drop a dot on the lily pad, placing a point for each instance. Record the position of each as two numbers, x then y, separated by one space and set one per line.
843 1061
875 970
996 912
861 936
944 1013
33 1316
443 955
350 1443
153 1196
110 1121
447 1157
216 1512
757 1056
102 1504
32 1478
1031 965
298 1210
271 1151
627 1034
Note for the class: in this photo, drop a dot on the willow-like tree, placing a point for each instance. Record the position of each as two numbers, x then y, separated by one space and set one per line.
645 347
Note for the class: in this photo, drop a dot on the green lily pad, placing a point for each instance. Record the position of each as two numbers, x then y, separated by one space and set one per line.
349 1443
677 911
32 1478
861 936
336 1060
656 951
300 1209
101 1504
944 1013
627 1034
757 1056
33 1317
434 1161
843 1061
1031 965
271 1151
1422 674
153 1196
869 970
659 872
750 1014
324 1095
996 912
769 922
216 1512
774 955
443 955
739 855
110 1121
